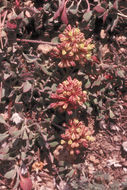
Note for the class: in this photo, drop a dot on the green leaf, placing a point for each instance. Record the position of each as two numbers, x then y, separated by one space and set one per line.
95 101
2 120
3 136
27 86
70 174
74 9
54 87
87 16
16 133
121 73
25 136
6 157
23 155
88 84
111 114
61 169
55 40
96 83
53 144
10 174
44 69
30 59
46 6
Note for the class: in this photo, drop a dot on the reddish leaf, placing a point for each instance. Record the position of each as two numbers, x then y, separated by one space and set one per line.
115 4
99 9
11 25
25 182
61 7
17 2
64 16
105 16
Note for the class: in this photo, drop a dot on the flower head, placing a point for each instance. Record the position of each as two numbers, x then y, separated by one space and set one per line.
69 95
74 48
76 136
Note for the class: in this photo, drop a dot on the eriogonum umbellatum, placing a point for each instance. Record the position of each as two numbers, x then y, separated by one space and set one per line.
76 136
74 48
69 95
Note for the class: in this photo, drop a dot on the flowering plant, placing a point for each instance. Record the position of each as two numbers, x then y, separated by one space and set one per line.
76 136
69 95
74 48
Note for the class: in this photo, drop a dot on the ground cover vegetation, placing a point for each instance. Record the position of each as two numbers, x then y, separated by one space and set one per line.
63 94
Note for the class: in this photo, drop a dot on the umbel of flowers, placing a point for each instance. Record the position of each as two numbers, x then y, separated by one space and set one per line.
74 48
76 136
68 96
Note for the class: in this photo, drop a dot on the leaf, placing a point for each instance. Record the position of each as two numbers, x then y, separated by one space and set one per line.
121 73
10 174
25 136
2 120
87 16
111 114
23 155
30 59
95 101
53 144
64 16
3 136
71 173
114 23
46 6
55 40
115 5
99 9
6 157
16 133
25 183
96 83
54 87
74 9
27 86
61 169
88 84
44 69
57 13
105 16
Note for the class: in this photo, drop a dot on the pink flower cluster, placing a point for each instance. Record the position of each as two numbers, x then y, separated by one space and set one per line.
74 48
76 136
69 95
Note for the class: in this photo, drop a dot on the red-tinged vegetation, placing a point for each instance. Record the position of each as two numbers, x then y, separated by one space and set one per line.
69 96
76 136
62 11
11 26
17 2
99 9
25 182
74 48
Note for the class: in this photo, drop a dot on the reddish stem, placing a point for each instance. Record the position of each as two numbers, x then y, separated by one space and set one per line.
36 41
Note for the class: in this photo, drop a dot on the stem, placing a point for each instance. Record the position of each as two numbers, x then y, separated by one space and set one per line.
88 4
121 14
36 41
